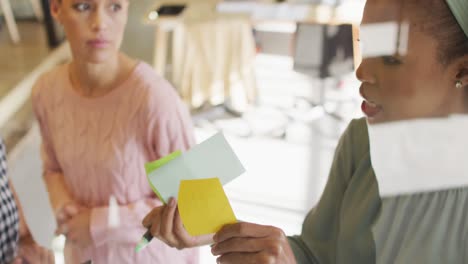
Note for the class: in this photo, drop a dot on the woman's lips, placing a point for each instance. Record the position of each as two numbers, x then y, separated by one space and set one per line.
370 109
98 43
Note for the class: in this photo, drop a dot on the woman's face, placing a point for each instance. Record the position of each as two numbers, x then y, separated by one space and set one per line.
414 85
94 28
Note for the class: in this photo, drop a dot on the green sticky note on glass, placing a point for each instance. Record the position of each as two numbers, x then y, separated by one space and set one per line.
203 206
152 166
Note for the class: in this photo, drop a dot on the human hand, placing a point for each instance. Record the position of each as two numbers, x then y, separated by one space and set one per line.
77 228
29 252
66 212
167 226
248 243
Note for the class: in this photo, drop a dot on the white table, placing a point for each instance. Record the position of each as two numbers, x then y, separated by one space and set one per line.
212 55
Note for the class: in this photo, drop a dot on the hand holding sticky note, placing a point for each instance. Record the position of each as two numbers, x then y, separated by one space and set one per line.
203 205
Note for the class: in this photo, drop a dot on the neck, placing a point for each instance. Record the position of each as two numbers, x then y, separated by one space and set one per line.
92 80
460 106
465 100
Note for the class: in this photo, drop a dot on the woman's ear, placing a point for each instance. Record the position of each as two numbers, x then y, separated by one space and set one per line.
461 74
56 10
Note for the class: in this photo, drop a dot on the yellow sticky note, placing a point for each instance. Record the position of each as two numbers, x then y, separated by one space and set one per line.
203 206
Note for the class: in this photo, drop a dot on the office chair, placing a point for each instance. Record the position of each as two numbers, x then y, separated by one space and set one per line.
324 53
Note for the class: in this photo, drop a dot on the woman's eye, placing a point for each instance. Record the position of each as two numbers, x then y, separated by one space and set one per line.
81 7
115 7
391 60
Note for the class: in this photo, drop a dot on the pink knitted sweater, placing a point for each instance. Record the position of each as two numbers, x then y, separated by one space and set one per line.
100 145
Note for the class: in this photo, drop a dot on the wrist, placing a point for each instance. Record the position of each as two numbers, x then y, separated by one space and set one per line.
61 203
23 227
25 236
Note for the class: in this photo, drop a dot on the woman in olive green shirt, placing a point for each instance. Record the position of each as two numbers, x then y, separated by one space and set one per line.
429 80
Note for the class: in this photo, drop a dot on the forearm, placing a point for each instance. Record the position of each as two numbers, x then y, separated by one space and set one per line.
57 189
301 252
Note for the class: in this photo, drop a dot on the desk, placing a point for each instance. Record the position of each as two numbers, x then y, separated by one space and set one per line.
262 15
347 13
285 16
165 24
193 77
212 56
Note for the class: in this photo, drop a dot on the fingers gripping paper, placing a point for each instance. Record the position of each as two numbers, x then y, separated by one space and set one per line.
203 205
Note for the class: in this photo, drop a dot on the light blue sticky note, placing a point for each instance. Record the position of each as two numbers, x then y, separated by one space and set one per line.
212 158
152 166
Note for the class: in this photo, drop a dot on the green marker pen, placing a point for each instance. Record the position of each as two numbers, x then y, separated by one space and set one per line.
144 241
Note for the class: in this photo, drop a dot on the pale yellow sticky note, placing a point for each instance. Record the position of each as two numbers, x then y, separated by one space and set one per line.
203 206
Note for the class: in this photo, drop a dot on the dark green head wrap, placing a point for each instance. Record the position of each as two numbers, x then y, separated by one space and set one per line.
460 11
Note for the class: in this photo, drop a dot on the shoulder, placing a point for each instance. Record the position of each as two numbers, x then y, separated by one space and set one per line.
151 82
157 92
357 131
354 142
48 82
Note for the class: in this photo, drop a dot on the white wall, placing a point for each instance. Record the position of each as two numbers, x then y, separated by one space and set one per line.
139 38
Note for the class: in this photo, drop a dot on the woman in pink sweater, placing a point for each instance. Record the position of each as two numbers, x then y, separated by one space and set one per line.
103 116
